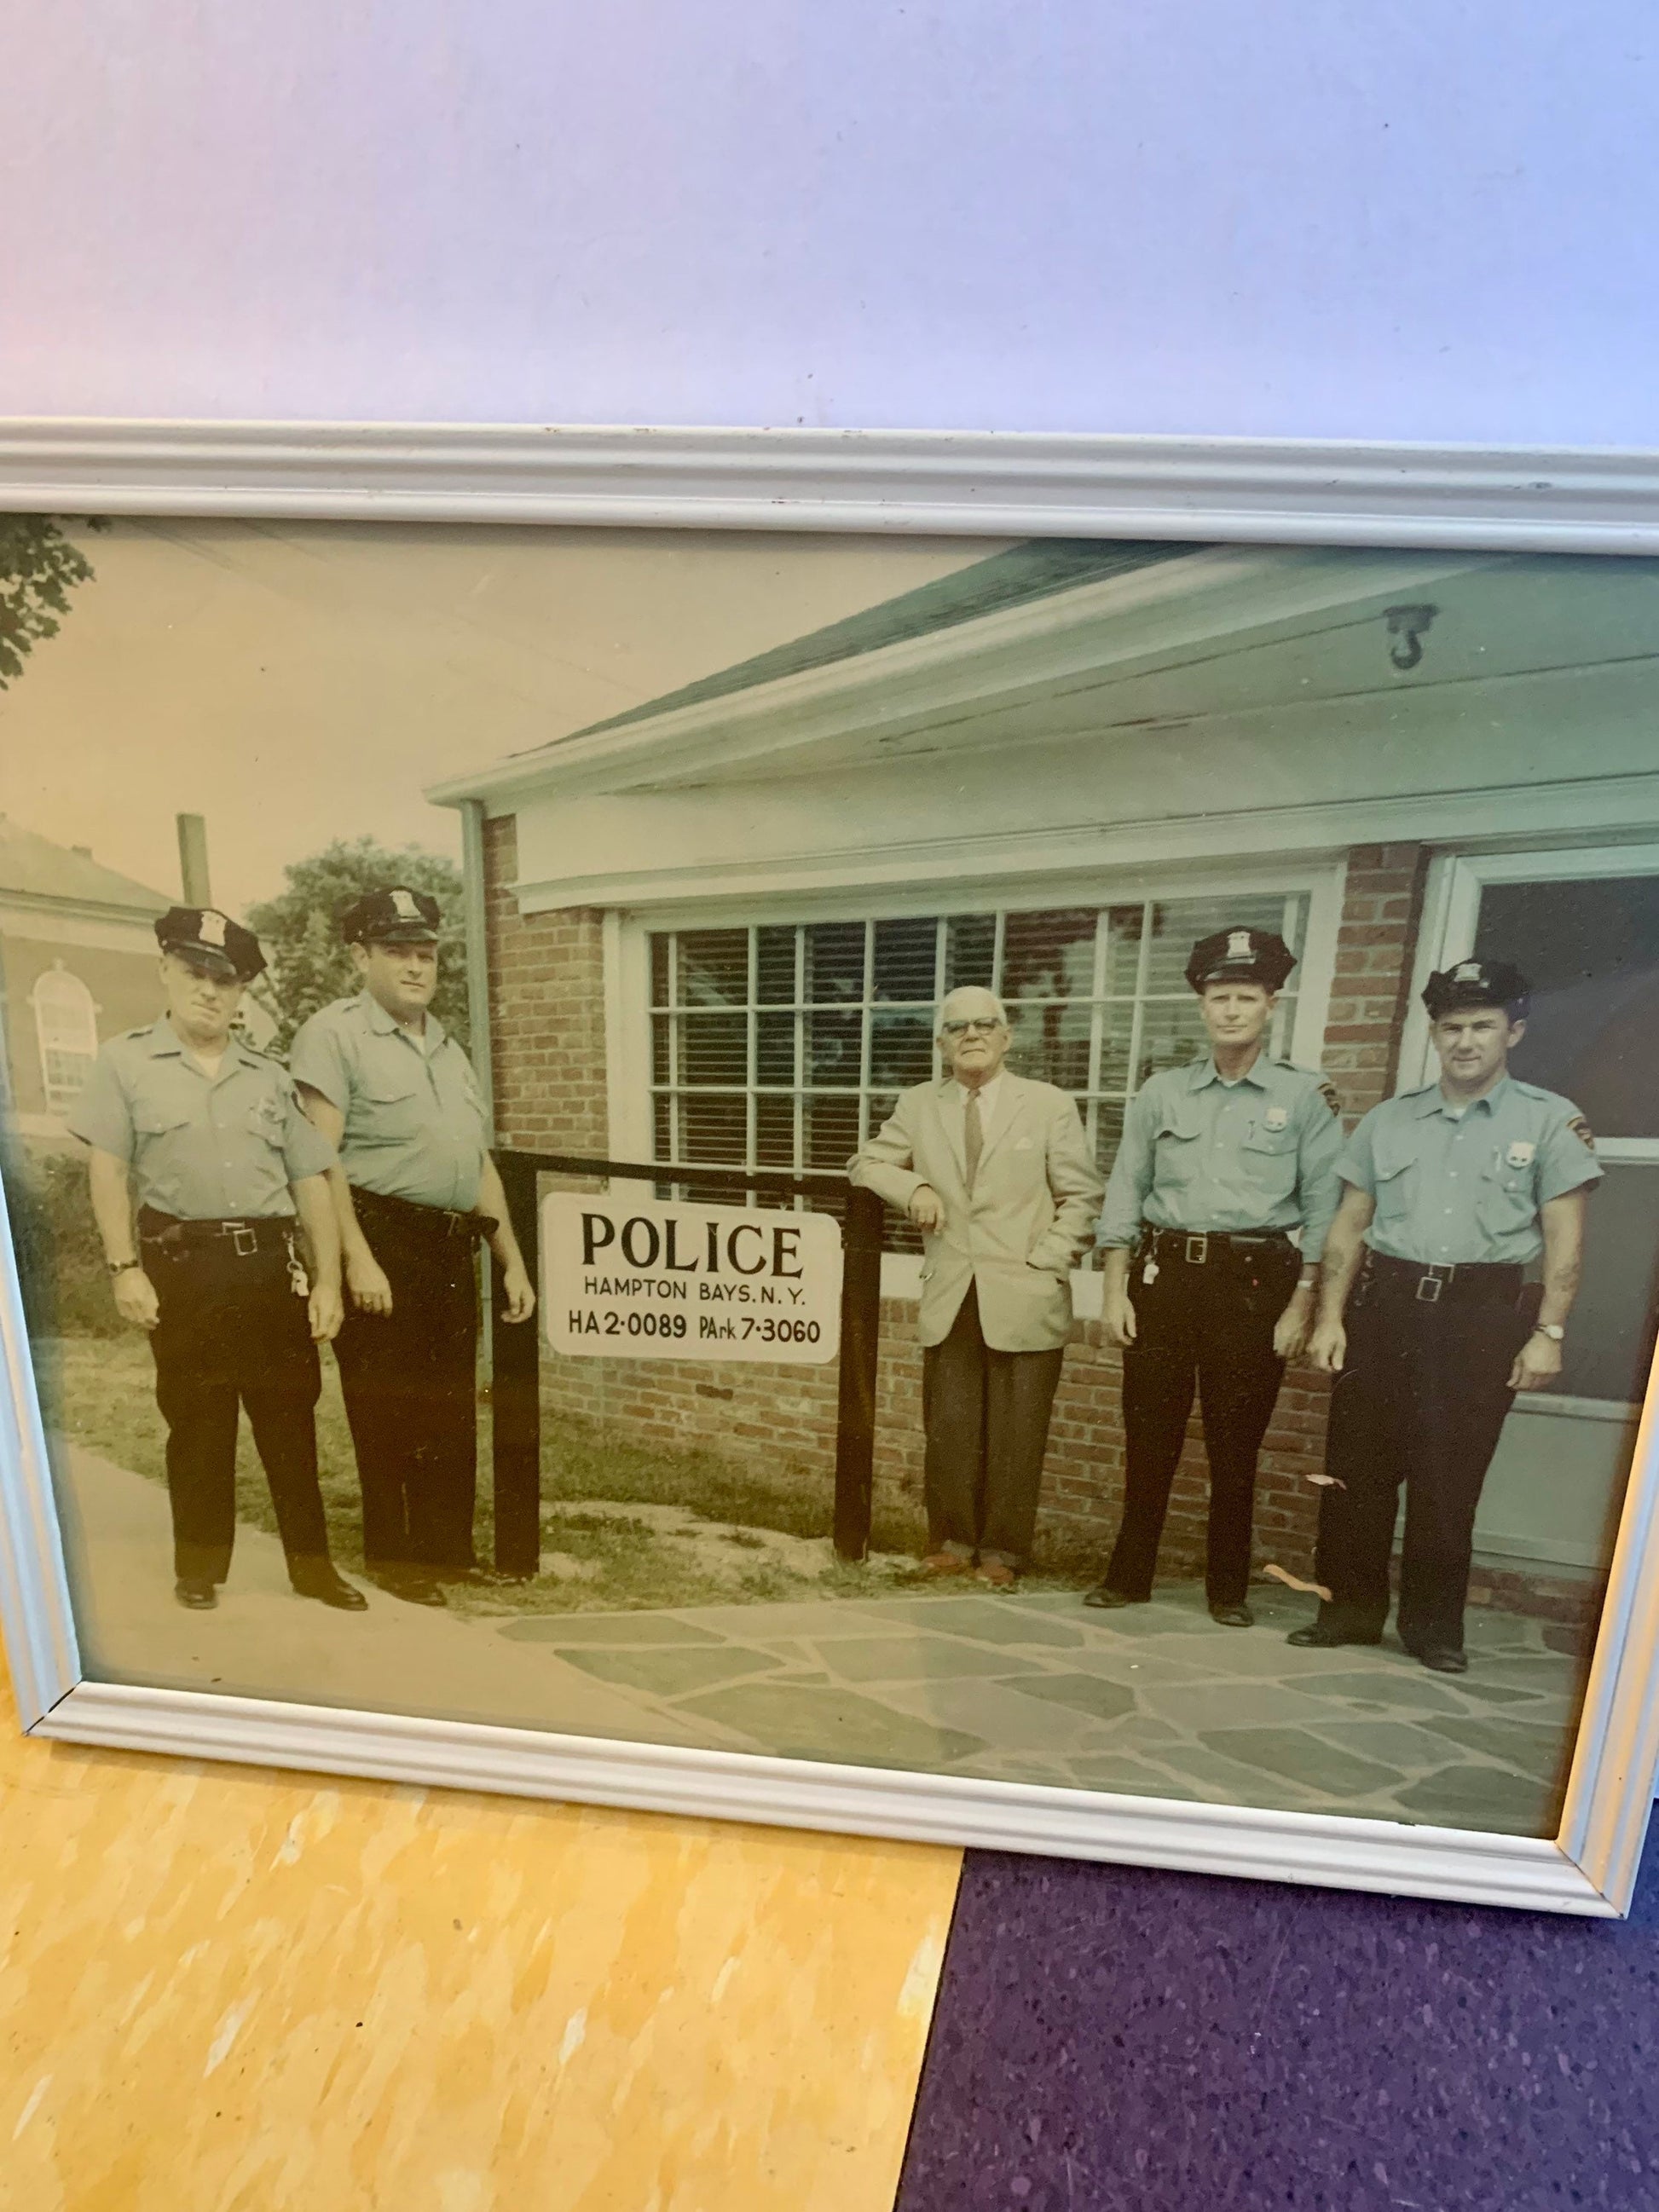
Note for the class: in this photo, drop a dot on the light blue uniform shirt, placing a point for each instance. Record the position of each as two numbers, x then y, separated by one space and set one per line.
1202 1154
1461 1187
224 1147
414 1118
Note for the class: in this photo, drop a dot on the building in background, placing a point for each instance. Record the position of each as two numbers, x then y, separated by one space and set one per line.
717 927
77 965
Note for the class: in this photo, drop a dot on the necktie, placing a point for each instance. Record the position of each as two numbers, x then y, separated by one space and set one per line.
972 1136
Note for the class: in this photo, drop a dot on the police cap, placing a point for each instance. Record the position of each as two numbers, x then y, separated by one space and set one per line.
1471 983
397 915
1240 956
212 941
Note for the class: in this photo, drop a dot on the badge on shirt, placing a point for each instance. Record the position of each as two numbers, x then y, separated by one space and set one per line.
1276 1117
1521 1153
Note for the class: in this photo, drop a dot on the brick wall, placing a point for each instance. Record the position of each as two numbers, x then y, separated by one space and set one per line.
1381 905
546 1012
548 1016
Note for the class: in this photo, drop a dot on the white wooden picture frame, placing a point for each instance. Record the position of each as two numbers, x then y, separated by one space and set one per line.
1227 492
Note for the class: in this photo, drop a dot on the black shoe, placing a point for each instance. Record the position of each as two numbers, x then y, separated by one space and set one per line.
1314 1637
1444 1661
198 1595
317 1579
413 1586
1232 1616
1105 1595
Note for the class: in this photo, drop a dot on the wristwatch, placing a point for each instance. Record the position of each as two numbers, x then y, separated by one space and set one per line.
1552 1329
122 1266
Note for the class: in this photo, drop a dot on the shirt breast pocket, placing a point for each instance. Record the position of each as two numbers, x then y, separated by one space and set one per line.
1505 1201
472 1103
268 1120
391 1112
1269 1157
1395 1194
1175 1154
158 1121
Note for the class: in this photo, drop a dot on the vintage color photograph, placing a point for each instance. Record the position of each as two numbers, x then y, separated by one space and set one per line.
1037 1161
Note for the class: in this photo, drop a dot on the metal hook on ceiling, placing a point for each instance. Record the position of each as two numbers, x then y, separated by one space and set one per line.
1406 626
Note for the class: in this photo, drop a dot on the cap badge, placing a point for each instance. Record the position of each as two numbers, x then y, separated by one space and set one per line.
211 930
1467 971
404 903
1521 1154
1276 1117
1238 945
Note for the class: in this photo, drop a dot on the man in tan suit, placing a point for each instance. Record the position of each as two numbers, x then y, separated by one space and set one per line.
995 1171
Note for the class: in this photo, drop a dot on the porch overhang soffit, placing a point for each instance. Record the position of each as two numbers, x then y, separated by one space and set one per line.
985 682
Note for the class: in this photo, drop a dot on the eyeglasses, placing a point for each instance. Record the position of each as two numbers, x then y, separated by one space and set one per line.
986 1025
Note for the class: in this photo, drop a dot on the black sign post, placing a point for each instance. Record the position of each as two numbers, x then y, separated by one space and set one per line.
515 1394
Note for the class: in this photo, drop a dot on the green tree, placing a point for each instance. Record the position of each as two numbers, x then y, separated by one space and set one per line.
299 929
39 569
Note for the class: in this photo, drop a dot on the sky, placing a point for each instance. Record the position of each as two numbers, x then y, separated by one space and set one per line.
296 682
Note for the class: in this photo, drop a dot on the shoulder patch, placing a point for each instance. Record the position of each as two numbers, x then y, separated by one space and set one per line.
1581 1129
1326 1090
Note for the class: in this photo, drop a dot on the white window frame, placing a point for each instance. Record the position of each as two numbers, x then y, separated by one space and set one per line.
57 973
628 972
1452 911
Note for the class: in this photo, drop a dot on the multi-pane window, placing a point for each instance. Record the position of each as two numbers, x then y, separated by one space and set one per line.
783 1044
66 1025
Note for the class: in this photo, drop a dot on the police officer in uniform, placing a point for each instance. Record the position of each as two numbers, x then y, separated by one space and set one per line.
414 1192
224 1161
1454 1193
1204 1288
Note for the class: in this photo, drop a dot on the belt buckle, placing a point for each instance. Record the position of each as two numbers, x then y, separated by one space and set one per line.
244 1240
1429 1288
1198 1250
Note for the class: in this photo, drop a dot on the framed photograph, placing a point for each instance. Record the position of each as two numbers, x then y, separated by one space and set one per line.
953 1138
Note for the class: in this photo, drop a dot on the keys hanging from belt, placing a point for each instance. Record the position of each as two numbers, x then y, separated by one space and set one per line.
299 1281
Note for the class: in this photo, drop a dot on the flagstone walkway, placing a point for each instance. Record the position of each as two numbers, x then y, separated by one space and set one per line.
1157 1701
1154 1701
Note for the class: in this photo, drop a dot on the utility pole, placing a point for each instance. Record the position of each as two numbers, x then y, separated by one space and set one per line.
193 860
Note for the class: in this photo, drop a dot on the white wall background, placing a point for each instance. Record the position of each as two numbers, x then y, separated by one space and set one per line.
1399 219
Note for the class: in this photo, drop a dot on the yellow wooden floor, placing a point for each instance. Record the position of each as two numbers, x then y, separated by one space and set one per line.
226 1989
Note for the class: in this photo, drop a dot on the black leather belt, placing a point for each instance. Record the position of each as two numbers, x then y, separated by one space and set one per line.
434 1221
1196 1248
1486 1282
267 1233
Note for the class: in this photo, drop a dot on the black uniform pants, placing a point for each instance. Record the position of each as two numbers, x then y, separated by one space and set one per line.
1205 1328
985 1413
1421 1399
411 1384
234 1333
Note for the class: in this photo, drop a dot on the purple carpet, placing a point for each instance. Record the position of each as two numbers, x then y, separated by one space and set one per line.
1113 2040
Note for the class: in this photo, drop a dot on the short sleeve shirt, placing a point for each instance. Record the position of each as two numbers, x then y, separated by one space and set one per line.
414 1114
201 1147
1465 1187
1199 1153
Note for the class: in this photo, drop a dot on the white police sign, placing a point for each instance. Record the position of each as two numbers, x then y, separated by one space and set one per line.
629 1278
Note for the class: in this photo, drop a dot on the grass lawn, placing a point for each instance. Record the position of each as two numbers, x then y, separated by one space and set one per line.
623 1525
